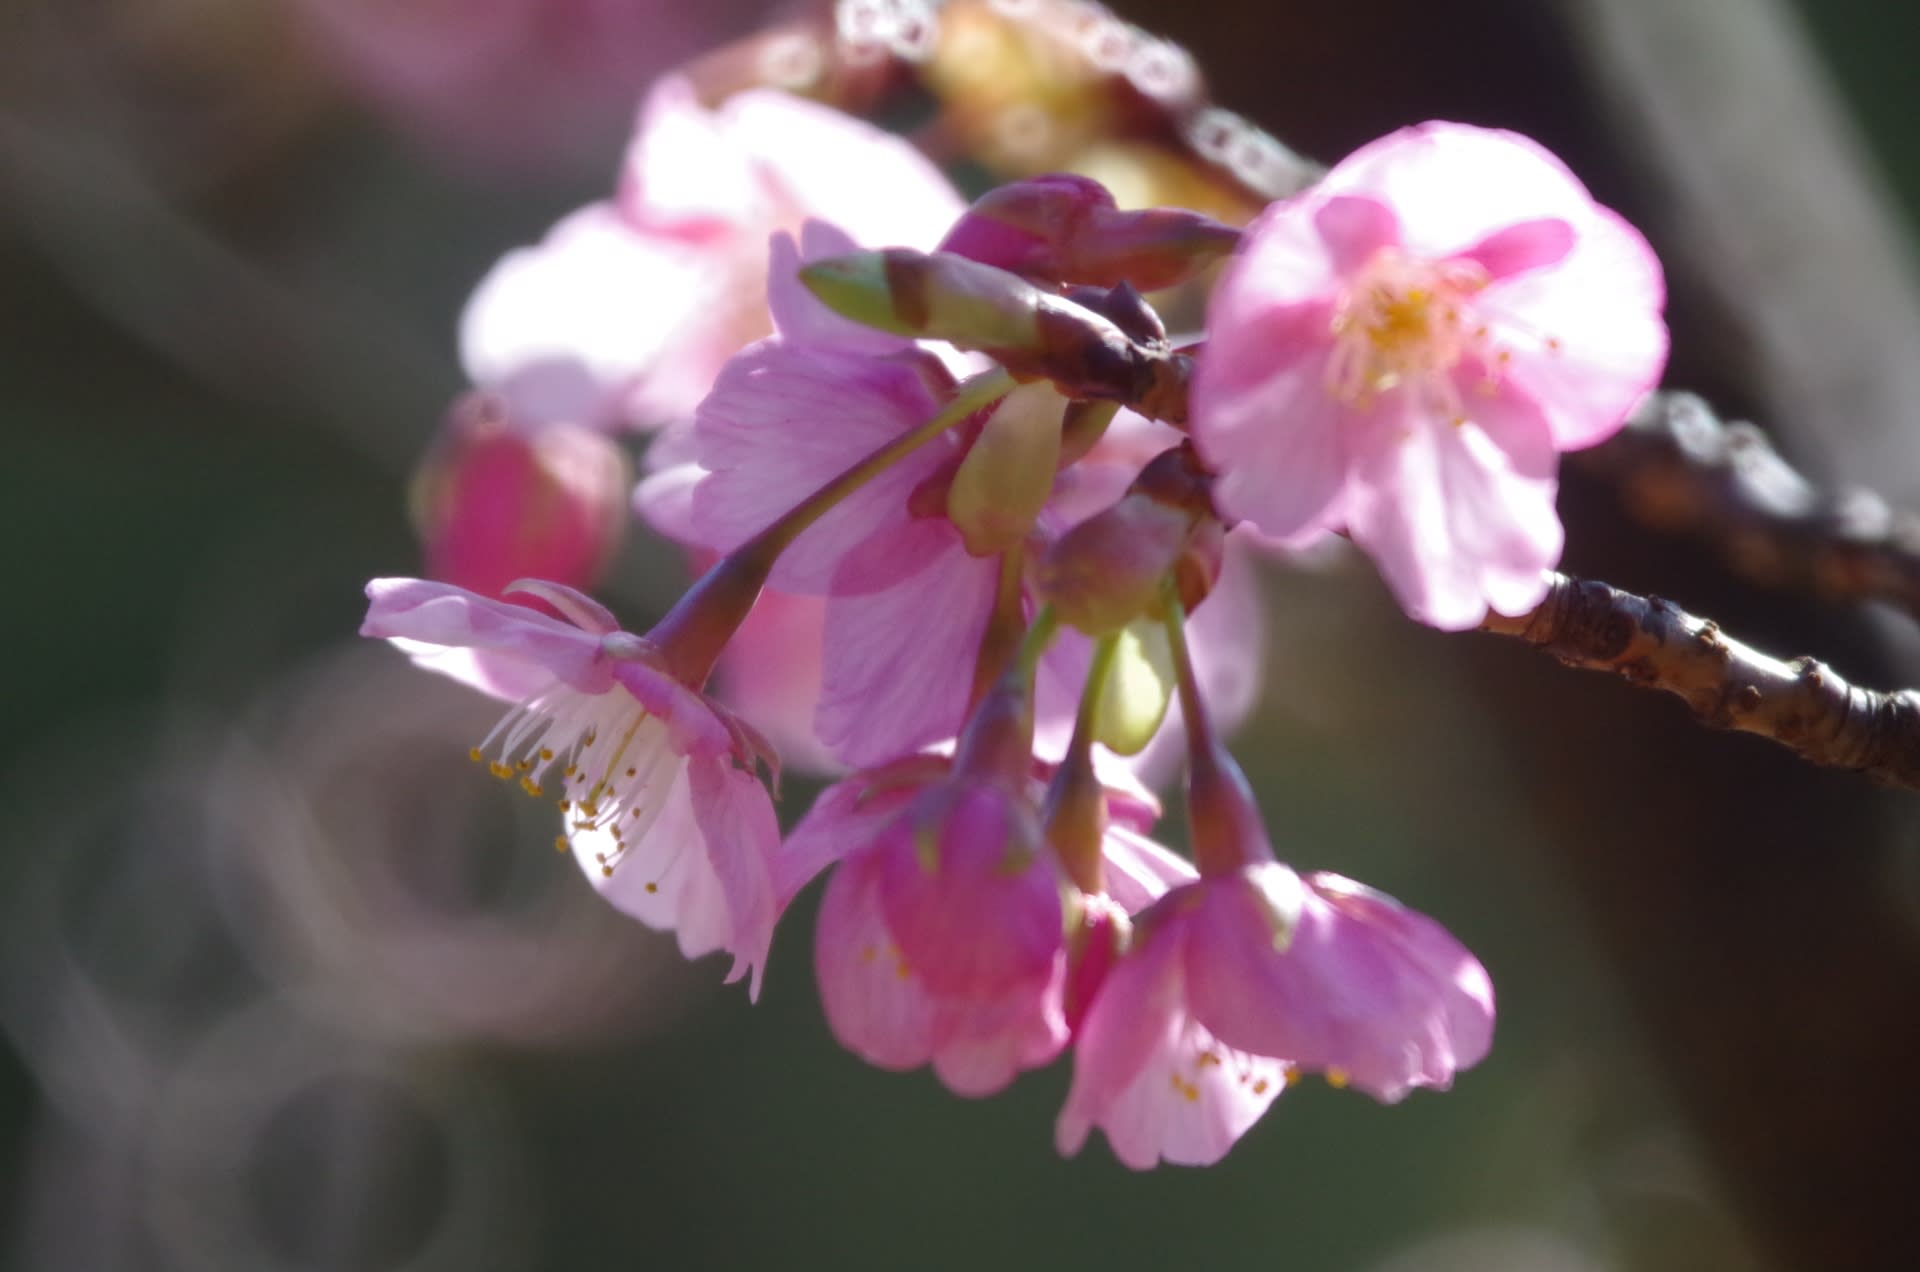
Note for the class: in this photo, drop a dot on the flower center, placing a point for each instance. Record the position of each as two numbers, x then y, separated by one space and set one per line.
1405 322
614 762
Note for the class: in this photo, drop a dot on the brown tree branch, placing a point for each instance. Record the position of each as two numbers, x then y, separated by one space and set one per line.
1804 705
1679 467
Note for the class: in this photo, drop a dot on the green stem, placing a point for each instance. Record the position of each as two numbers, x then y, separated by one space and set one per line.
972 395
1076 807
692 634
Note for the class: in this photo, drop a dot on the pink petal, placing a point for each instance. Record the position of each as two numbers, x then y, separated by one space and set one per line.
1140 1002
899 663
970 897
816 161
981 1047
1600 308
1265 420
572 604
692 726
1456 185
770 674
1140 871
685 172
742 835
782 422
1524 246
1353 229
1367 989
846 817
665 880
1453 523
875 1011
561 330
1153 1078
423 612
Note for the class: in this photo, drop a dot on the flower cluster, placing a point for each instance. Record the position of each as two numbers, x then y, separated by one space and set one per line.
968 547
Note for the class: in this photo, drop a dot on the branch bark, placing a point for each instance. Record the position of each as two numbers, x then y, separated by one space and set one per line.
1804 705
1679 467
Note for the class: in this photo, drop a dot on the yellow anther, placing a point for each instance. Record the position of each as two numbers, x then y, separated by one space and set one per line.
652 888
546 753
1260 1087
474 755
560 843
531 787
1337 1079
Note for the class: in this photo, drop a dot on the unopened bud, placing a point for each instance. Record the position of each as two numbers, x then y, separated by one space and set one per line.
1031 332
493 503
1062 228
1108 571
1003 483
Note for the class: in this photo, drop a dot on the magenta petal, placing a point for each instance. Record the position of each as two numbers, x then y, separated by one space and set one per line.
875 1011
971 900
782 422
1354 229
1364 988
899 663
1518 248
846 817
980 1047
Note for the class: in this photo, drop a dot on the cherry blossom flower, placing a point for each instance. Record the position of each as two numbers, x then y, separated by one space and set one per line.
656 782
1237 982
624 314
1404 349
940 937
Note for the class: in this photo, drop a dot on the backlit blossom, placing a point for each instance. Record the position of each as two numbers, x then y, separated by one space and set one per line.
624 314
655 782
940 937
1404 349
1238 981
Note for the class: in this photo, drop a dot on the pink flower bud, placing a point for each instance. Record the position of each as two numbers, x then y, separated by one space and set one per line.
493 503
1062 228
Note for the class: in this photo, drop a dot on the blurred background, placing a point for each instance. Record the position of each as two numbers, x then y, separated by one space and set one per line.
285 986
